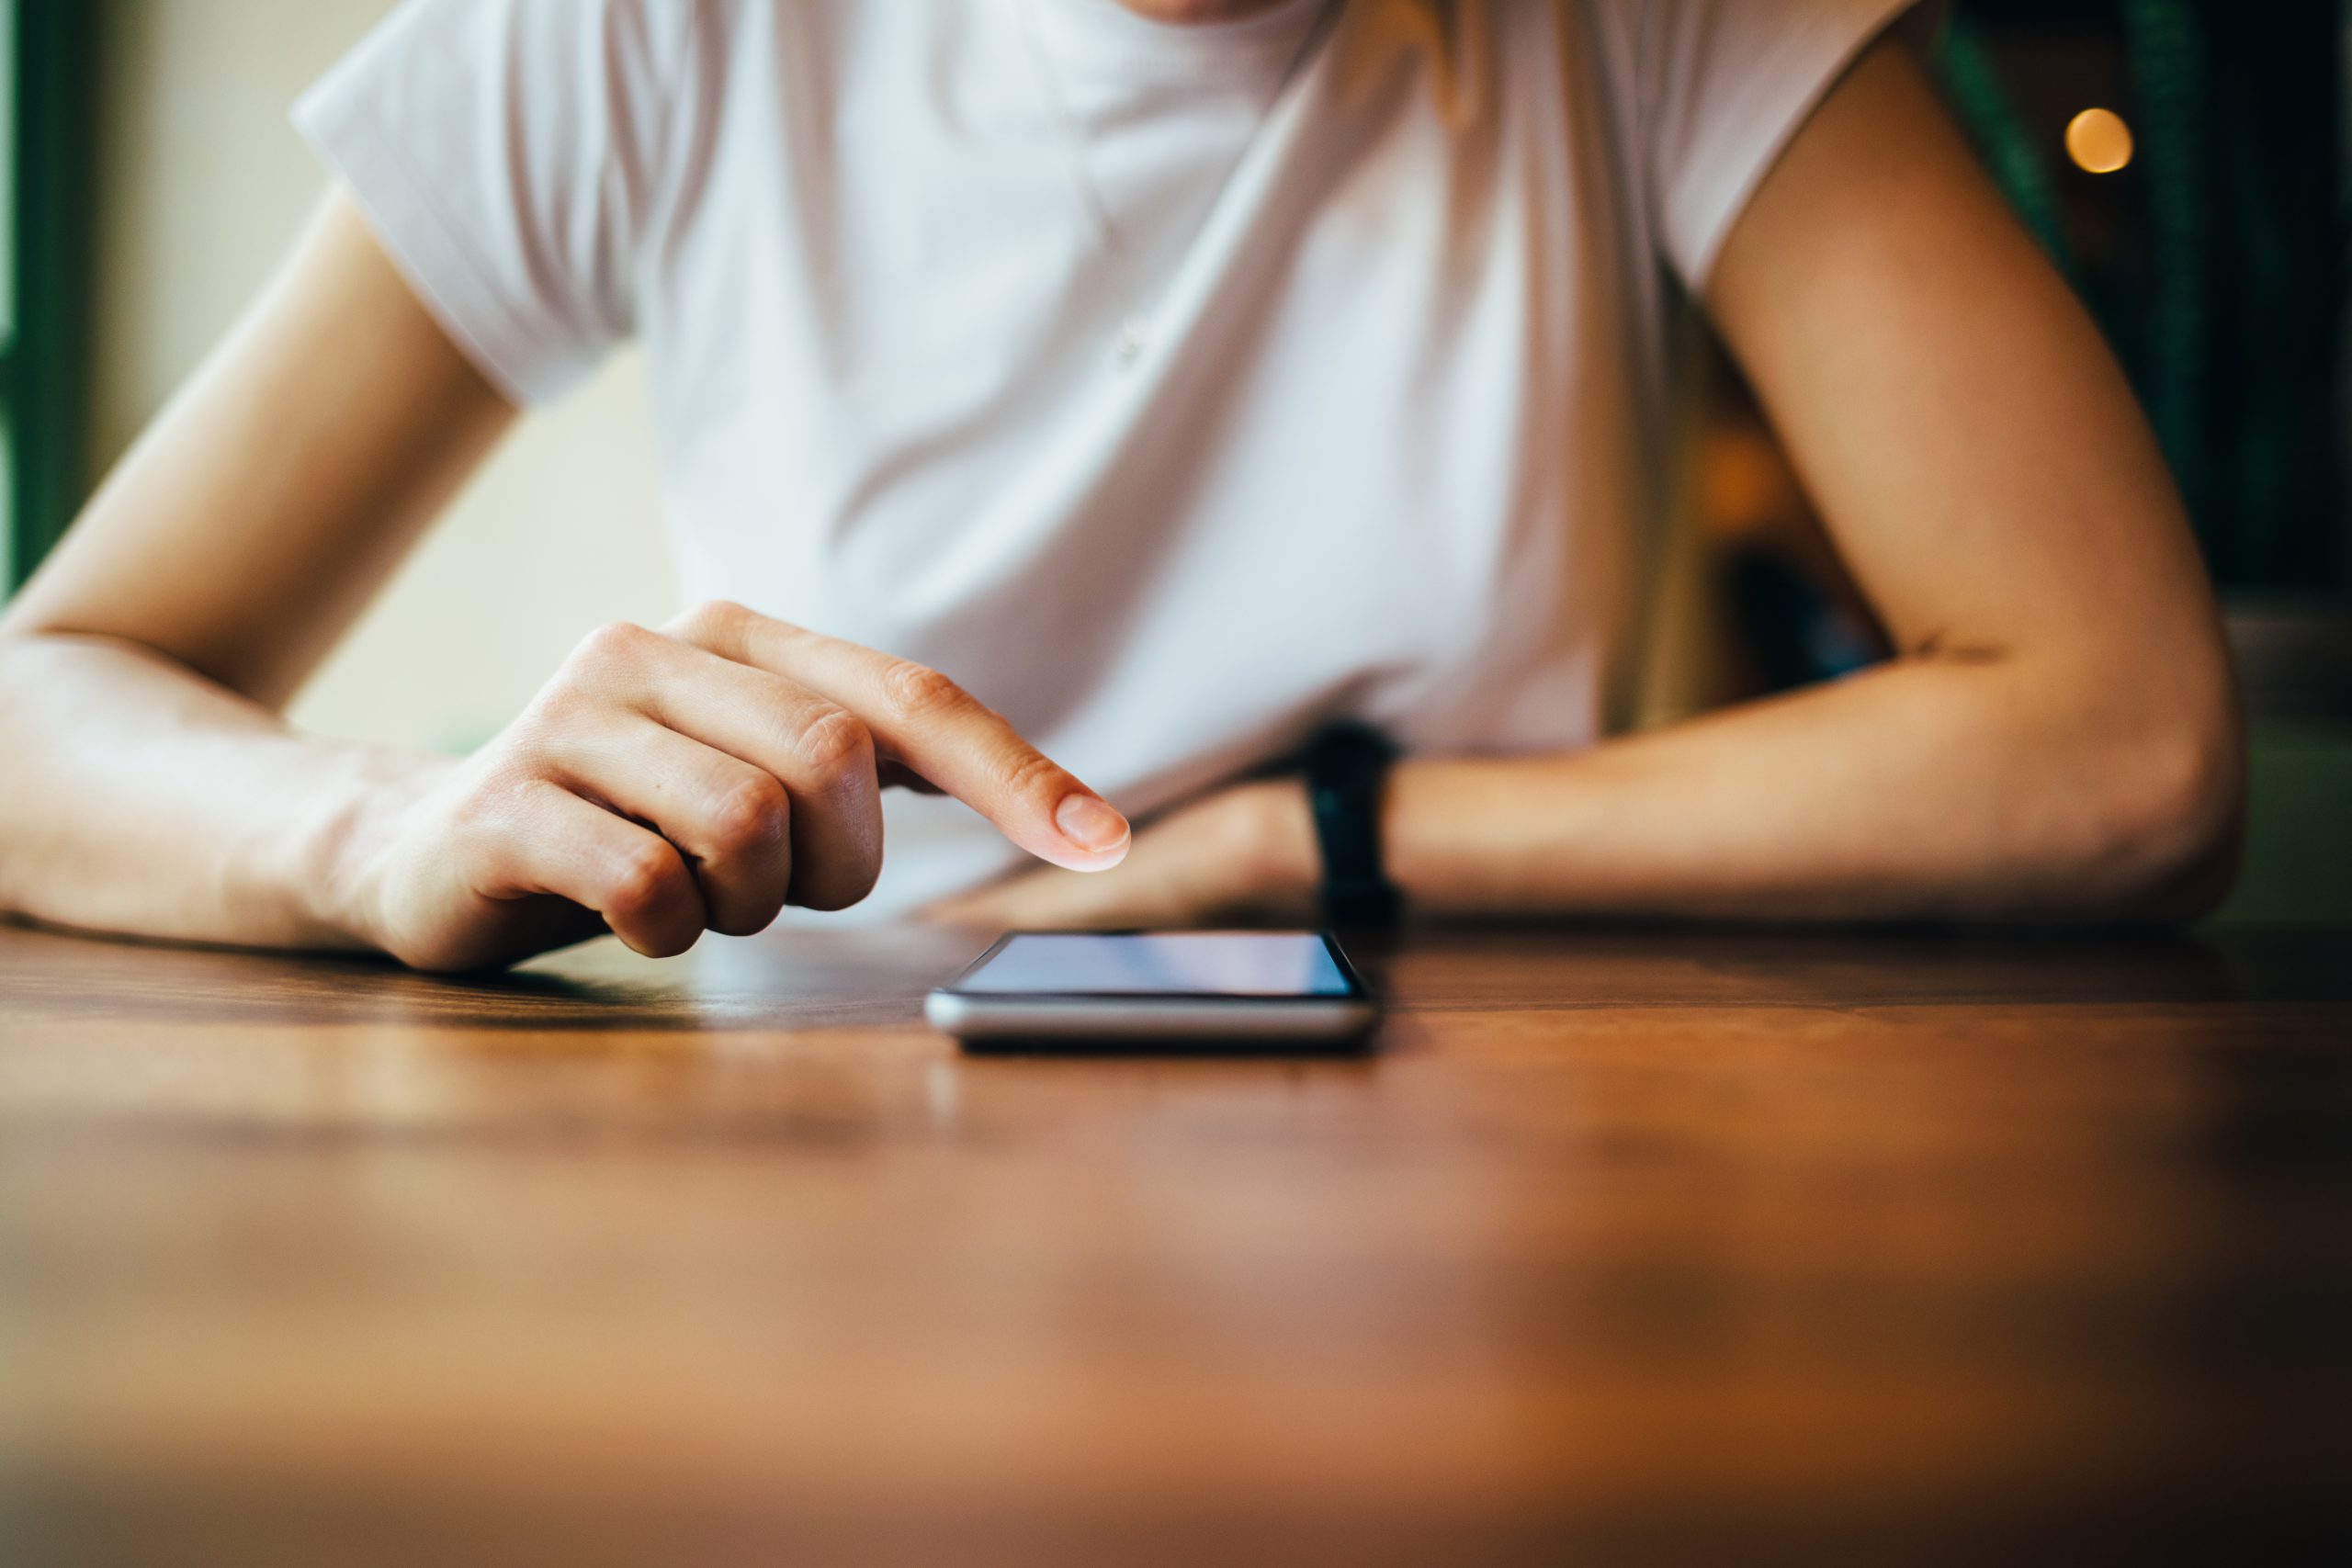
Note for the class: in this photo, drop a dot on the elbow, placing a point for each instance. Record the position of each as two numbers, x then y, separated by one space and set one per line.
2167 825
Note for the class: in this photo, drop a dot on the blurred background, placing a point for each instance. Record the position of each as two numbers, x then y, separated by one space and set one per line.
2183 161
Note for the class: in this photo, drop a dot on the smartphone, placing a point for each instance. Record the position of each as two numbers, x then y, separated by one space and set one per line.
1170 989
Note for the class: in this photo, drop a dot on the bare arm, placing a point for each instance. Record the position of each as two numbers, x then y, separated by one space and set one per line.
662 782
151 786
2057 738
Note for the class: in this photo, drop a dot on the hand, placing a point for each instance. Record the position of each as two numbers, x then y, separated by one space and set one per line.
1246 855
701 776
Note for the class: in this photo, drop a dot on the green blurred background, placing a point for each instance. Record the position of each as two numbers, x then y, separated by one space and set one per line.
2215 259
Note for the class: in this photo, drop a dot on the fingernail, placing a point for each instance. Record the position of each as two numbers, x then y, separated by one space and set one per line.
1090 823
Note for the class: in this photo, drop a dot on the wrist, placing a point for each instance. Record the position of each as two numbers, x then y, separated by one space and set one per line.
1284 862
343 855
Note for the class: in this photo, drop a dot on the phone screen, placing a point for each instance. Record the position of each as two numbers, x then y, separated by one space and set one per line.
1161 963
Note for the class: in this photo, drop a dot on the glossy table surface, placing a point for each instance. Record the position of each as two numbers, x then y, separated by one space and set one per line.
1618 1244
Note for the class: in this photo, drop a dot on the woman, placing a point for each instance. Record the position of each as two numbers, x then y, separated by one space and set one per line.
1176 376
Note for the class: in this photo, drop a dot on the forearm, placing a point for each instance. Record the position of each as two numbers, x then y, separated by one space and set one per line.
140 798
1932 787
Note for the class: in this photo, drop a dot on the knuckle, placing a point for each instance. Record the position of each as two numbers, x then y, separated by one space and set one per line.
714 622
645 879
848 886
749 924
835 741
917 693
614 645
562 703
749 907
753 816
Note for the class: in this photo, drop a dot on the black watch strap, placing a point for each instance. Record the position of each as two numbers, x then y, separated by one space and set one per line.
1347 772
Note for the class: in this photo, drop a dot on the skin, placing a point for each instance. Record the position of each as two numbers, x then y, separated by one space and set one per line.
661 783
2057 740
1189 13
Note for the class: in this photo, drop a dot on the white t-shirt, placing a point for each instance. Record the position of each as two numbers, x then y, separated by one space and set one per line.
1175 388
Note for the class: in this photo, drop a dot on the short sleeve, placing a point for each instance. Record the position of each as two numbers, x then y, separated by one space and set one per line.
509 154
1722 86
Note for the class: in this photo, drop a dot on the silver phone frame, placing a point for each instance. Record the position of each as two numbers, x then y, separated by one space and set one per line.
1152 1017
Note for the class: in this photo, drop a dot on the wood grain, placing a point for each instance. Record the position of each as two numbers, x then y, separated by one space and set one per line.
1623 1243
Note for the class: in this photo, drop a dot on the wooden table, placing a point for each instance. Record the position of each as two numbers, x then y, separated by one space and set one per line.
1619 1245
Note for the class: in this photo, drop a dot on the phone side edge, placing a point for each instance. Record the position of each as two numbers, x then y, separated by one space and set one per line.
970 1017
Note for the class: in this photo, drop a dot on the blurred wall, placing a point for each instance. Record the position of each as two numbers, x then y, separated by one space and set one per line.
202 185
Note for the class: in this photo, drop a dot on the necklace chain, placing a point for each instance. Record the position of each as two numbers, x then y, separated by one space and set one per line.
1135 324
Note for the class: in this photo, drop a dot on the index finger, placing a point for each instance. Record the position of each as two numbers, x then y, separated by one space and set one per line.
930 725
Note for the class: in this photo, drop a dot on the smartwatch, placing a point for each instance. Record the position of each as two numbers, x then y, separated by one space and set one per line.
1347 772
